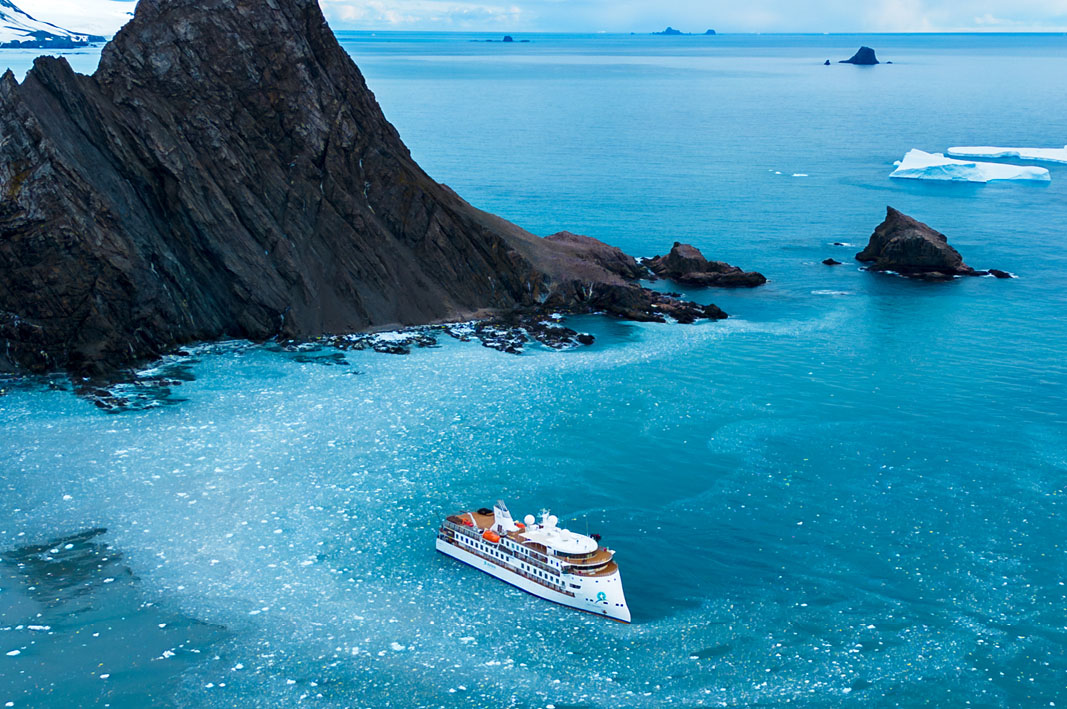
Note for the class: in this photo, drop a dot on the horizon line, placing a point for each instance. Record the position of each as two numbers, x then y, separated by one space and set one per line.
717 33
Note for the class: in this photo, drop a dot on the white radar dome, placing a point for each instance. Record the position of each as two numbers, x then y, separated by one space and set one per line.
529 520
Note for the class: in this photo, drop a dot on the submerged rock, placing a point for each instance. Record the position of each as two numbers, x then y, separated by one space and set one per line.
831 262
864 56
685 264
226 173
909 247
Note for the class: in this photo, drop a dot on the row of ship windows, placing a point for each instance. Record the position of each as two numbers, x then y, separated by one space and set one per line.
490 550
518 549
523 550
526 567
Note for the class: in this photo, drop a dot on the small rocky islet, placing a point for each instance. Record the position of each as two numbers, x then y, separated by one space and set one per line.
671 32
906 246
685 264
864 56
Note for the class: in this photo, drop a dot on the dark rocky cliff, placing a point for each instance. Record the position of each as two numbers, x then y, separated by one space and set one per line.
226 172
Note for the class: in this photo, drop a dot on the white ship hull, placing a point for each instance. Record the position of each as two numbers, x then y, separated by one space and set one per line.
601 596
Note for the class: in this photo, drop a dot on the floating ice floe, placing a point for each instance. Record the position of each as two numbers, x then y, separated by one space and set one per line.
920 165
1057 155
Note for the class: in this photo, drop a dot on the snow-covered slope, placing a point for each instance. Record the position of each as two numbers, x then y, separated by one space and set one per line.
60 23
919 165
99 17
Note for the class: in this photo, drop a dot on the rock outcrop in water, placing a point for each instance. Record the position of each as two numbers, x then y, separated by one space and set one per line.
227 173
864 56
911 248
686 265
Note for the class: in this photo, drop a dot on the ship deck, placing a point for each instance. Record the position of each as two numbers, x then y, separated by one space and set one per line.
606 570
602 558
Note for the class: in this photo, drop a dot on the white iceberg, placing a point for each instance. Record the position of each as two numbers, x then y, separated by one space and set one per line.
1058 155
920 165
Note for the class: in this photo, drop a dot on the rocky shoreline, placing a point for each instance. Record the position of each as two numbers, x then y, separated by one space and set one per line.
156 385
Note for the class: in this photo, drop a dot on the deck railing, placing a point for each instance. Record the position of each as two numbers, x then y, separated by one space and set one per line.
476 535
525 574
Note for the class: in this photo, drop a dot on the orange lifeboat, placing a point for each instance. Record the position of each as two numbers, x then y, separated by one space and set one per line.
520 525
491 536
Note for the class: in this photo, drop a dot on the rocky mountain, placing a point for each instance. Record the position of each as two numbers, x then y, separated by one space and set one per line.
226 172
18 29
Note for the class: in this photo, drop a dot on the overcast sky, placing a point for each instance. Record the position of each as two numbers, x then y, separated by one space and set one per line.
699 15
105 16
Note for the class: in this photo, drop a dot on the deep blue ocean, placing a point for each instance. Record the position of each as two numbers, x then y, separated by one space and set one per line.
851 492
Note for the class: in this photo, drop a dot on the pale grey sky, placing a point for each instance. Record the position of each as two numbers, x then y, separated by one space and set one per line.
699 15
105 16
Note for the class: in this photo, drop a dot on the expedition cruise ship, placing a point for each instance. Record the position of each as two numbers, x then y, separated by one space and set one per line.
543 559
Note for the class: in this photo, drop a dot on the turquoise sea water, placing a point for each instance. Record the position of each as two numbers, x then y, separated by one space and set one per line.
850 492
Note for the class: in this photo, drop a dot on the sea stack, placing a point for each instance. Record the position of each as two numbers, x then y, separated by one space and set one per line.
686 265
909 247
864 56
226 173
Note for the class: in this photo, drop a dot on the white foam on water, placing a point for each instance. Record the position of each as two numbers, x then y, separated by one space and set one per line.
295 505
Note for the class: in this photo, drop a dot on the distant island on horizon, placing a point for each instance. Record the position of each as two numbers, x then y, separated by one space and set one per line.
671 32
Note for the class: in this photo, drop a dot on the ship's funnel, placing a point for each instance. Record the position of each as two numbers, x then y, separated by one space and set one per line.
502 521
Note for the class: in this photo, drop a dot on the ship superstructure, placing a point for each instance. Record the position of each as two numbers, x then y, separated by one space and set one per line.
541 558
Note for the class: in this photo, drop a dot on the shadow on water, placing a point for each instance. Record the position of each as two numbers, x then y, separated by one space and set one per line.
75 629
65 570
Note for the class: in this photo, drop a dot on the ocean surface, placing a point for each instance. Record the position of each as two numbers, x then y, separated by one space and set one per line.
851 492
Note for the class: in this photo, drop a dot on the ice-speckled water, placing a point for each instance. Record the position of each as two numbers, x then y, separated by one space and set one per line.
851 492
